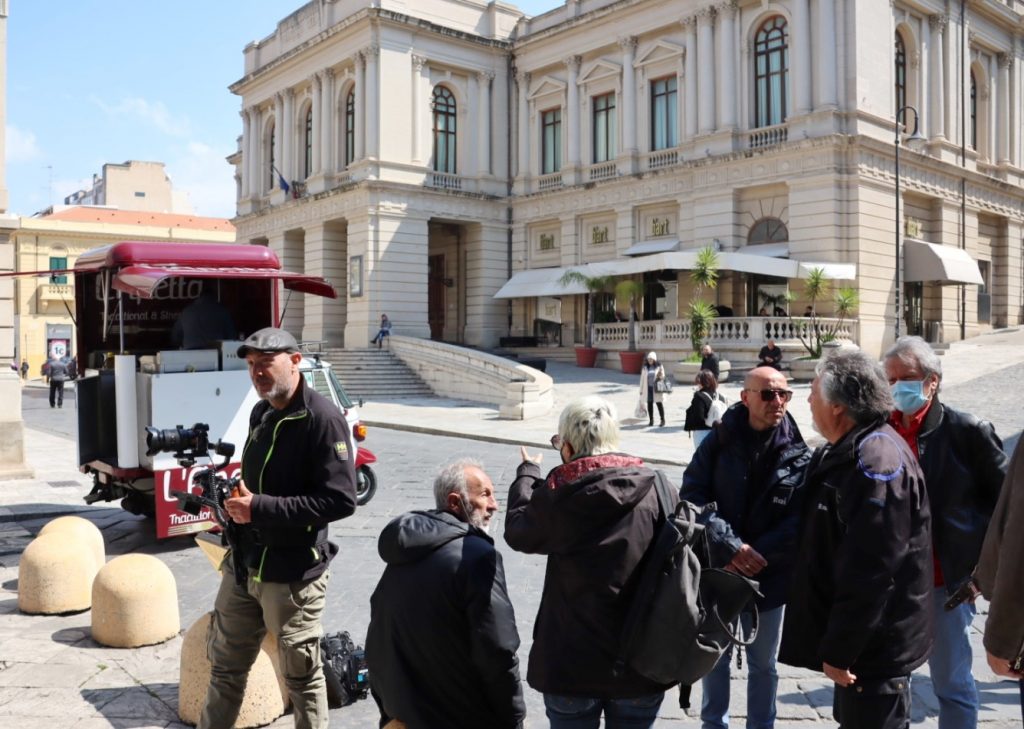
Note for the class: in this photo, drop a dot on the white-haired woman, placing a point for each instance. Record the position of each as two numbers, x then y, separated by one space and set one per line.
651 374
594 516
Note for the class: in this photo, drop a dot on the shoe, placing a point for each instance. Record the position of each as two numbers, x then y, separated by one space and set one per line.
662 424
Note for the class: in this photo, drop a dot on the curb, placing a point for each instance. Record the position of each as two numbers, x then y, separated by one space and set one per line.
20 513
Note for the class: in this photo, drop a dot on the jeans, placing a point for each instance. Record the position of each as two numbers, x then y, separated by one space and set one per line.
762 678
698 438
950 664
574 712
873 704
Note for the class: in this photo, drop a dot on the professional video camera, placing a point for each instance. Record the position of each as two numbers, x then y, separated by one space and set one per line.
188 444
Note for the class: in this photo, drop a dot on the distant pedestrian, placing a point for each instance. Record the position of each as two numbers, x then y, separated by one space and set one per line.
57 373
770 355
24 369
709 360
650 389
700 410
384 331
964 468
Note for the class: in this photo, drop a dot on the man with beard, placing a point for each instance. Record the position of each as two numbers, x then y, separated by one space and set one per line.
442 642
297 477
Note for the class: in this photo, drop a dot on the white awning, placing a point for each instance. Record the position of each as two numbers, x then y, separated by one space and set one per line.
935 262
647 247
545 281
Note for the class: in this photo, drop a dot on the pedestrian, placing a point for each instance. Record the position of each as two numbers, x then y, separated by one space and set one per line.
709 360
770 355
653 388
594 516
699 413
442 642
752 466
24 369
57 374
297 477
964 467
860 605
1001 578
384 331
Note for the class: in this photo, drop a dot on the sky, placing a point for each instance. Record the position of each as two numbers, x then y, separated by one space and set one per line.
101 81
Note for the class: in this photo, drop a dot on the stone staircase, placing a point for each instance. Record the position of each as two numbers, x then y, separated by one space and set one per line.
375 374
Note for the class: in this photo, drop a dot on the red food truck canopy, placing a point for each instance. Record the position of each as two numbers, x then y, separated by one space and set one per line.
203 255
141 281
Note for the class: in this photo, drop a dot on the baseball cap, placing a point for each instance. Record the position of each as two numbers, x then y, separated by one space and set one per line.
269 339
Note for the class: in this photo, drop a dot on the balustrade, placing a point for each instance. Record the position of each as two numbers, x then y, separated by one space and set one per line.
747 331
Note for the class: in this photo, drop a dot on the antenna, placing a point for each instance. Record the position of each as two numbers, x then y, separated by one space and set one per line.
49 169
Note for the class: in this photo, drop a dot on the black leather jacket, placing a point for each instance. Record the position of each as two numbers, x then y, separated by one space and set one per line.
964 467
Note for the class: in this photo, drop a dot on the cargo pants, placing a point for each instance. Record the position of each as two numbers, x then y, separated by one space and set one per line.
242 616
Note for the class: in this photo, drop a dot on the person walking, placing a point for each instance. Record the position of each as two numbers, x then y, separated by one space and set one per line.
964 467
752 466
384 331
297 477
705 399
650 390
709 360
594 517
24 369
860 605
57 373
442 642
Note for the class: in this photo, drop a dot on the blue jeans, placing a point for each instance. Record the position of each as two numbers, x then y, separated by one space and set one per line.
574 712
698 438
950 664
762 678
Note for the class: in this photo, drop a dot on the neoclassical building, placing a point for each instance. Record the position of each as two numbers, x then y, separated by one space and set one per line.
448 160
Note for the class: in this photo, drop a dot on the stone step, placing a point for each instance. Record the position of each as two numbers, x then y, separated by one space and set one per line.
375 374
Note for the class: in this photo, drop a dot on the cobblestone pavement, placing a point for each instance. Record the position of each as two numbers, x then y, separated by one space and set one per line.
52 674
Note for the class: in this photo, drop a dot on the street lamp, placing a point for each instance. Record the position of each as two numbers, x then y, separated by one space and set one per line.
915 142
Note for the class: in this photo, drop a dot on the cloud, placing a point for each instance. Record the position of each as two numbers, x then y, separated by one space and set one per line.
21 145
202 173
154 113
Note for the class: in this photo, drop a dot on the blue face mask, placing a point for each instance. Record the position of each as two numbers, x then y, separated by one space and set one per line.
909 396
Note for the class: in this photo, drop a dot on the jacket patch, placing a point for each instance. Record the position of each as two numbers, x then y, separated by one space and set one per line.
341 451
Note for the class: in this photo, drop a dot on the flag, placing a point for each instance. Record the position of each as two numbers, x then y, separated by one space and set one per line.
283 183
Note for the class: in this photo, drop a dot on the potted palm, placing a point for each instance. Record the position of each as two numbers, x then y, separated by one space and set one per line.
586 356
700 313
632 291
814 333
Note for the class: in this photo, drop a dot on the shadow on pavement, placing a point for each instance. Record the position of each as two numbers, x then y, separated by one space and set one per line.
136 706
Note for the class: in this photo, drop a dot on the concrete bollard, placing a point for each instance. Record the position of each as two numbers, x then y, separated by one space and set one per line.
266 695
53 578
81 530
134 602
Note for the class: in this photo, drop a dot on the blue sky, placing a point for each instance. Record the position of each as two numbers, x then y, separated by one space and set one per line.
113 80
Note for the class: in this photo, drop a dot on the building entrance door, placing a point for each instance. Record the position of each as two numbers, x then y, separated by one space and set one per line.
435 296
913 308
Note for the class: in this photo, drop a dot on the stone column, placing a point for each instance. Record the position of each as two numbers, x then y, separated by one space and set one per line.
326 255
372 101
483 80
361 116
329 109
246 156
800 65
1015 105
690 78
278 142
289 248
571 119
1002 146
316 83
288 166
937 77
523 81
257 165
706 63
826 61
418 62
628 105
727 53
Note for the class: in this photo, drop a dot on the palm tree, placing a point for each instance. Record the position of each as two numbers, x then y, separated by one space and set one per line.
704 275
633 291
844 301
593 285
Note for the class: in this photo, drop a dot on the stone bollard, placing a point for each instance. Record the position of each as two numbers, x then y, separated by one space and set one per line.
82 531
265 697
134 602
53 578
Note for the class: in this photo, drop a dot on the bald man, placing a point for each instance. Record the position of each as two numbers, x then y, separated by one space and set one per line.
752 465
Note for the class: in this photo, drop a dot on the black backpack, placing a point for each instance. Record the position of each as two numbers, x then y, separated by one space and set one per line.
682 613
345 671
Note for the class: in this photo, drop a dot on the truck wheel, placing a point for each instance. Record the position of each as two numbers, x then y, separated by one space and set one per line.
366 484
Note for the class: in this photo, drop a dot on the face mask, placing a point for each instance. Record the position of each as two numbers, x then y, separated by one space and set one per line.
909 396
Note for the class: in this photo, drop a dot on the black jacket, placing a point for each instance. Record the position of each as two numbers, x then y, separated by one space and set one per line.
757 489
862 585
594 517
700 406
964 467
710 362
298 464
442 642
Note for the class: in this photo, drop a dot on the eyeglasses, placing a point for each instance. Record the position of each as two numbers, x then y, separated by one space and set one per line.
770 395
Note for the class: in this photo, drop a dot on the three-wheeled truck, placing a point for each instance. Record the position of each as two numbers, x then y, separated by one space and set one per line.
128 297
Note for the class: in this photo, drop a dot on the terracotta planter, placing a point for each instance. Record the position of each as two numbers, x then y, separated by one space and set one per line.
586 356
632 362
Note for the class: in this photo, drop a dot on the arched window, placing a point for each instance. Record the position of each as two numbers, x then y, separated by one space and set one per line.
901 72
767 230
771 72
974 111
350 127
444 130
308 143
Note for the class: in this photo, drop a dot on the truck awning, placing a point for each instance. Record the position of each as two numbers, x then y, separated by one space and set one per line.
142 281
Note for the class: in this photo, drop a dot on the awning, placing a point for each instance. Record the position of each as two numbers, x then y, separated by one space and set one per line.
142 281
652 246
544 281
935 262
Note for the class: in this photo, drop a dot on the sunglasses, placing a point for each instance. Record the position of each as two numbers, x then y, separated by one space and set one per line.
770 395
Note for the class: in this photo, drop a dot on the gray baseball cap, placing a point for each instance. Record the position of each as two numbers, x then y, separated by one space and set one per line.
269 339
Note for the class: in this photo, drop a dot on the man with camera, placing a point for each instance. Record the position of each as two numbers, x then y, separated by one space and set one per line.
297 477
442 641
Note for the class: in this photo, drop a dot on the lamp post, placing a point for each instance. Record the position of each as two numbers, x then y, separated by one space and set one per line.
914 141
